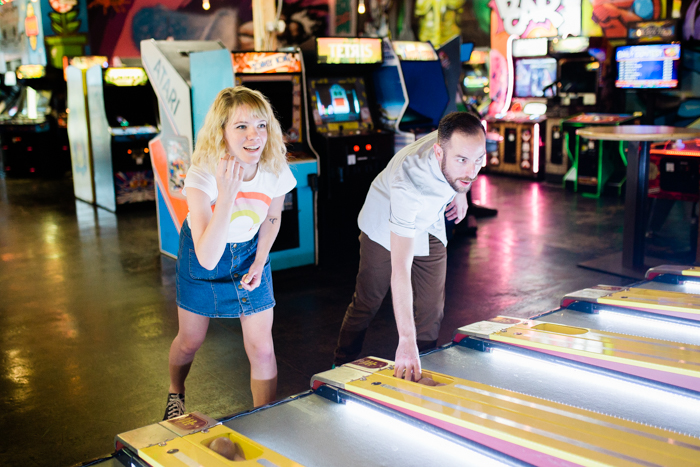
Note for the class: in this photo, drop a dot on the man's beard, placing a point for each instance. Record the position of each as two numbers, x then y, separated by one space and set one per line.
456 186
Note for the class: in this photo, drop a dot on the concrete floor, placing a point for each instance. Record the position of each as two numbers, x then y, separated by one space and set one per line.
87 309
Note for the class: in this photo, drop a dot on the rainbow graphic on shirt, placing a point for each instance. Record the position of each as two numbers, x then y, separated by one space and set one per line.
250 208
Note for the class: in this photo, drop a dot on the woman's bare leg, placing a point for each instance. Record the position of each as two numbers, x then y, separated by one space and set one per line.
190 336
257 338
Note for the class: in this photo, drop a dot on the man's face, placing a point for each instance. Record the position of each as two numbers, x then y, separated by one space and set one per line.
461 159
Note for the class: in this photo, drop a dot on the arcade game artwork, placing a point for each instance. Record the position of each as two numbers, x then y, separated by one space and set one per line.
340 101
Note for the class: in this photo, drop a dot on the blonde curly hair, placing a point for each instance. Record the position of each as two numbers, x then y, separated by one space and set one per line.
211 145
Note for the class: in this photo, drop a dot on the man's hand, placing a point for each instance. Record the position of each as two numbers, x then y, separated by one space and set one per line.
457 209
407 363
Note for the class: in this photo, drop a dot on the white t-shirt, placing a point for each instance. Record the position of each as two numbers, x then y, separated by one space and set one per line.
252 203
408 198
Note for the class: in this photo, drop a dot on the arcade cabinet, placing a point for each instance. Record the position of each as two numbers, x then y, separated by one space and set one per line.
450 54
186 76
521 123
645 68
114 115
344 133
428 97
32 140
474 81
576 91
674 170
279 77
391 96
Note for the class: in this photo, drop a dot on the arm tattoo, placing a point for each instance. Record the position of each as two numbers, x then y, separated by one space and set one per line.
272 220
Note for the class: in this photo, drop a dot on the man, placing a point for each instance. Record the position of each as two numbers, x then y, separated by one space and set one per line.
403 240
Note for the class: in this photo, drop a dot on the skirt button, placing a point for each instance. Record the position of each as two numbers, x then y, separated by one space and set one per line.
236 276
244 300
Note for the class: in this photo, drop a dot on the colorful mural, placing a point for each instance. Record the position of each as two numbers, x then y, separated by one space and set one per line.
119 25
543 18
437 20
65 26
611 17
475 23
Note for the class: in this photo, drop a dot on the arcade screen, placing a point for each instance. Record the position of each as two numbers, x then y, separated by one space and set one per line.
476 76
579 75
339 100
129 106
532 75
648 66
280 93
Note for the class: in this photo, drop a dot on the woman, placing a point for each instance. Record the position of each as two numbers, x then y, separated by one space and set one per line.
235 192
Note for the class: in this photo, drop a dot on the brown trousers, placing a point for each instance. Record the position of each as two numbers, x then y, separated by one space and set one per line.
373 282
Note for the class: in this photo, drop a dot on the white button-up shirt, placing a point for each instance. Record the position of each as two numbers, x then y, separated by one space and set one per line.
408 198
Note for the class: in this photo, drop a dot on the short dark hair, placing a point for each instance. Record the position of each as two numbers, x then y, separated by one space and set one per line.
463 122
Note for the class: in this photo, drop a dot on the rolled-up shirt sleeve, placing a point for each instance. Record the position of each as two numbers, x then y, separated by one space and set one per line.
405 203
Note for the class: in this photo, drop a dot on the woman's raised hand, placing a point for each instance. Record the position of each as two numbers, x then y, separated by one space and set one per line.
229 178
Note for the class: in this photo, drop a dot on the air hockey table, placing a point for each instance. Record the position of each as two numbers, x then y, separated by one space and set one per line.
507 391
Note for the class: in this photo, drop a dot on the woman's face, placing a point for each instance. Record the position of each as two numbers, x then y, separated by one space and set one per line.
245 136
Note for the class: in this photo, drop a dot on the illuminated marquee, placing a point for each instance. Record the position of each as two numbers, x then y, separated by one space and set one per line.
88 61
126 76
414 51
266 62
335 50
570 44
31 71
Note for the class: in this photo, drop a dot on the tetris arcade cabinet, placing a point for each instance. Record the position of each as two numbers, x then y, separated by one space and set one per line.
342 131
279 77
114 114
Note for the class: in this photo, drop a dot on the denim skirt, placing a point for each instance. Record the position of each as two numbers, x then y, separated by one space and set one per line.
218 293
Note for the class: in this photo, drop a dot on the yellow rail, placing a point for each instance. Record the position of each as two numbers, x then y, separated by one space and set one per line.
576 435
